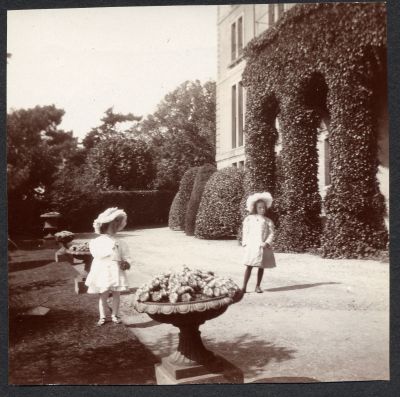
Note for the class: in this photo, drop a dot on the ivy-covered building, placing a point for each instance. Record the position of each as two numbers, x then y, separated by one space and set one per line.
303 106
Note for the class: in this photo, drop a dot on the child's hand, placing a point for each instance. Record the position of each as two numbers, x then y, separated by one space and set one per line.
124 265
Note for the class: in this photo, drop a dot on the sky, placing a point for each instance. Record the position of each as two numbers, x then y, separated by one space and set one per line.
87 60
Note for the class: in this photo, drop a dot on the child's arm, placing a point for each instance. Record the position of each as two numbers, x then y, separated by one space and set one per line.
245 231
271 234
125 252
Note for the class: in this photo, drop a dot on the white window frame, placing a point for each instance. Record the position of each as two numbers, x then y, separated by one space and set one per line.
238 55
237 108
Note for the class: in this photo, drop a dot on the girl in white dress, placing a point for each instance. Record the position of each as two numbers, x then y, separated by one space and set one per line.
258 234
111 259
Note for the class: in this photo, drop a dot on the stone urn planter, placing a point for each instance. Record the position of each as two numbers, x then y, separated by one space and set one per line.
50 227
192 362
81 252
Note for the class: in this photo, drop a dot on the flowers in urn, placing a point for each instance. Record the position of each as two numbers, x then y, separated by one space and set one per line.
80 248
64 238
186 286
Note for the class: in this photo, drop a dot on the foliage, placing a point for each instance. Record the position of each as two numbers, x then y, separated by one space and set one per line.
36 150
143 207
108 128
219 211
178 213
74 195
319 62
181 131
199 184
36 147
121 163
185 190
174 222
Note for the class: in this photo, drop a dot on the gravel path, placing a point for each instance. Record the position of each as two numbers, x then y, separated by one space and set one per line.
318 319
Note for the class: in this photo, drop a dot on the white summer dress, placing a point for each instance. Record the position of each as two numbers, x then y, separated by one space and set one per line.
258 229
105 273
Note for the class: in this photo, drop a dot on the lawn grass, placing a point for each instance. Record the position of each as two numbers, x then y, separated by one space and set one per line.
65 346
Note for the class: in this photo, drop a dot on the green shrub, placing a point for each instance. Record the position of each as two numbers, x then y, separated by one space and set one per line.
121 163
203 175
174 222
219 214
178 212
143 207
331 70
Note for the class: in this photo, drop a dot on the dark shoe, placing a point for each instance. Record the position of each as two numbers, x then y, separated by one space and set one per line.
259 290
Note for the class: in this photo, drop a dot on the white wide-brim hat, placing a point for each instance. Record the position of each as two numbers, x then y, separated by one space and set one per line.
264 196
108 216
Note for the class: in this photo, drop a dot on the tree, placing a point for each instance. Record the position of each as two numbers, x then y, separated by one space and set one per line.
121 163
108 128
181 131
36 149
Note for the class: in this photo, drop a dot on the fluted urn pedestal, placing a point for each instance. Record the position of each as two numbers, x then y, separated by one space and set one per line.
79 282
192 362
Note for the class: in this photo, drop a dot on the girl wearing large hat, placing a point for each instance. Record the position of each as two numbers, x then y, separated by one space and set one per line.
111 259
258 234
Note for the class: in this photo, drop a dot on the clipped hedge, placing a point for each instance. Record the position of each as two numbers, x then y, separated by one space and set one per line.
219 214
177 212
174 222
143 207
203 175
328 71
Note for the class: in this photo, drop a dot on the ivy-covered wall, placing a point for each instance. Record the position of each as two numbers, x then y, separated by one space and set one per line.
319 61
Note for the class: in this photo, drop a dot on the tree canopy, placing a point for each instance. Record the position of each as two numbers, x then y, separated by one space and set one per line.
181 131
108 128
36 148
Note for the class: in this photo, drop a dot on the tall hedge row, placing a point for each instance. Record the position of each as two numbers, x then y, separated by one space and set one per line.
219 214
143 207
329 71
202 176
174 221
177 213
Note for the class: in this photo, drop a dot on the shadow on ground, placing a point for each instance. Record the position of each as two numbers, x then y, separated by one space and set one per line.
286 379
37 285
249 354
27 265
299 286
65 346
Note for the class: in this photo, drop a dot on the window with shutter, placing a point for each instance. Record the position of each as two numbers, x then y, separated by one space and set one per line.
281 10
240 35
234 116
271 14
233 41
327 163
240 114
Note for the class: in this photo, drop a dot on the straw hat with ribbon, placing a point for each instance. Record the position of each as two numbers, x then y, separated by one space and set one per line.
264 196
108 216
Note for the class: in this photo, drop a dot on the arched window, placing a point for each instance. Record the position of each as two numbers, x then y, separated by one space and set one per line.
278 145
324 161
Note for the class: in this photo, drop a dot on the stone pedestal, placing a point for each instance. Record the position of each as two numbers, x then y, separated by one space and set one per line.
80 287
218 370
49 228
192 362
63 256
